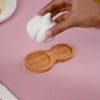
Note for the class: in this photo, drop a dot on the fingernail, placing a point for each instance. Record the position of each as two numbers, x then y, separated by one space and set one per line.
49 33
41 13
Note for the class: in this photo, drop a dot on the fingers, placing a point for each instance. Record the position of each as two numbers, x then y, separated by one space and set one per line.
54 7
48 8
58 10
62 8
55 12
59 27
62 17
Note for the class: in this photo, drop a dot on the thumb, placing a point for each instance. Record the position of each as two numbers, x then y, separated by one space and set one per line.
59 27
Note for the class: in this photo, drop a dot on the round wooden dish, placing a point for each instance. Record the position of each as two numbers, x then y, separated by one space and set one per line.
41 61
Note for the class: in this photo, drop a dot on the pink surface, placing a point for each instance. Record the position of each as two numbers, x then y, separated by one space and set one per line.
76 79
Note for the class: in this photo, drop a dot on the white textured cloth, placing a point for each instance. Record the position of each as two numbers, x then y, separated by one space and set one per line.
5 94
38 26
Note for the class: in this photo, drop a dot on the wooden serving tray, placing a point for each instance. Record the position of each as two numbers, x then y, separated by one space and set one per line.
41 61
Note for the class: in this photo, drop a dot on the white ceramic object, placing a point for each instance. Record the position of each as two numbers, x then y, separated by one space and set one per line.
11 6
37 27
5 94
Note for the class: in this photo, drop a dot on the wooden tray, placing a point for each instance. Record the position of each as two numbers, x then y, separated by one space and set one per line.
41 61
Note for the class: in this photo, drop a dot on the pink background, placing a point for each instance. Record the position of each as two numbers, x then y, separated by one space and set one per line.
76 79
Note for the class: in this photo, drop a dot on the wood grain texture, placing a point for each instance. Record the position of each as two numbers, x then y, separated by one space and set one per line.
42 61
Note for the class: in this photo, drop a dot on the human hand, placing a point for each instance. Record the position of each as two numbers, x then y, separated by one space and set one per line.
81 13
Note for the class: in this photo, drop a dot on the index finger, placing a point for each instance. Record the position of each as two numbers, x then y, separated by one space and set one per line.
48 8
